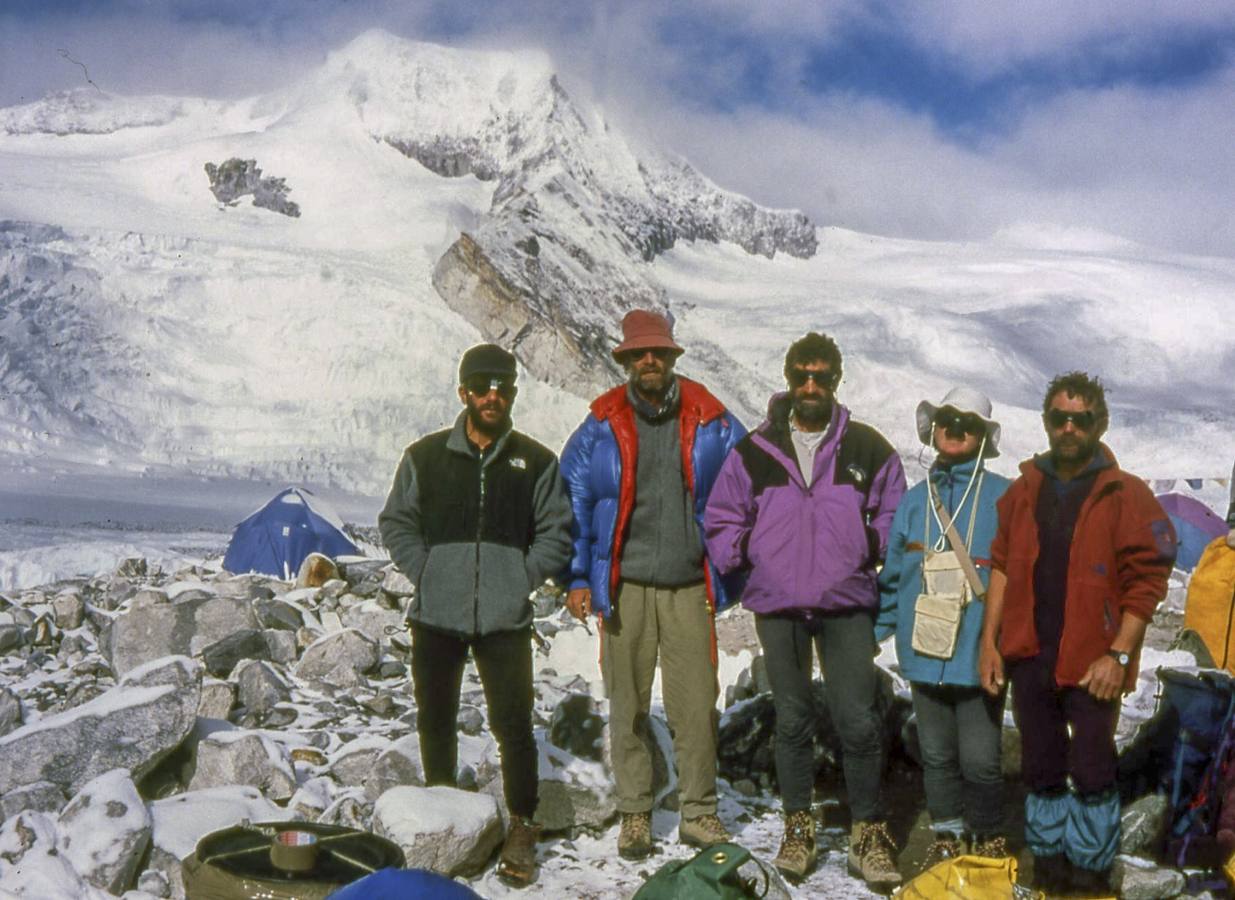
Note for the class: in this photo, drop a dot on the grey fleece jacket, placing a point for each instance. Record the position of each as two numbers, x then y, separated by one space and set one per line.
476 533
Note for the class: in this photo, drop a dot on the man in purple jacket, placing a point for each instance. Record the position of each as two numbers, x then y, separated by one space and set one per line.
804 503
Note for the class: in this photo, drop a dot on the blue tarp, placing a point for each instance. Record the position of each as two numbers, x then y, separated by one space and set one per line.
276 539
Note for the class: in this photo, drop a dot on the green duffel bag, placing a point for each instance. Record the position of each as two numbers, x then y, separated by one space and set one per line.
711 875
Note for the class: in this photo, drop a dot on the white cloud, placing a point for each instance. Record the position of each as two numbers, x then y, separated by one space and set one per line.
1150 164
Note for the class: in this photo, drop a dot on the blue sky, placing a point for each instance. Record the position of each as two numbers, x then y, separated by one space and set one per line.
947 120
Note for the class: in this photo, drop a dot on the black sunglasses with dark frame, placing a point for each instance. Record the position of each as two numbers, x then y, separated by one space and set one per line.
1082 421
480 386
825 380
954 420
662 353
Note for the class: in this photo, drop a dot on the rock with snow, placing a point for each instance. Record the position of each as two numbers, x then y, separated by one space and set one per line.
70 609
41 796
280 646
396 583
105 831
244 758
277 614
217 699
354 763
222 656
578 727
1139 879
1142 824
132 726
12 637
397 765
154 883
444 829
235 178
32 866
339 657
373 618
165 627
259 687
10 711
574 791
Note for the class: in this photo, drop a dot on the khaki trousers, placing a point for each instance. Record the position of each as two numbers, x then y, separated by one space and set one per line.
674 624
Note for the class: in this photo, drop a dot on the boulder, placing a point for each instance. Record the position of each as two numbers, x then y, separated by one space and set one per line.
223 655
10 711
105 830
573 792
1142 825
41 796
156 629
577 727
278 615
440 828
373 618
244 758
335 657
280 646
397 765
259 687
218 698
69 609
1139 879
132 726
396 583
31 864
354 763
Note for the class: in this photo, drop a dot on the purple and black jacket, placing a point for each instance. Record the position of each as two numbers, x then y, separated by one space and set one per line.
807 549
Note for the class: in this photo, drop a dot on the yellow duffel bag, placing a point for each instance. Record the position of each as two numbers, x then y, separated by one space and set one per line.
971 877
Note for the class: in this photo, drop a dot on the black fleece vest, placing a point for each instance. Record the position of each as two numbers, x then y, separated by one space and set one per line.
463 502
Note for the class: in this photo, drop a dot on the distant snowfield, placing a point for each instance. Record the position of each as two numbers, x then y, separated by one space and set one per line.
160 352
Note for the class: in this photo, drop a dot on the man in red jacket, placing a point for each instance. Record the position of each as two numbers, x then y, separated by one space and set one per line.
1079 563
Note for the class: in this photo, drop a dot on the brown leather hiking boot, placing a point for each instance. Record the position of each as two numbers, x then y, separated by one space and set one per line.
635 836
872 855
994 846
797 849
517 864
703 831
946 845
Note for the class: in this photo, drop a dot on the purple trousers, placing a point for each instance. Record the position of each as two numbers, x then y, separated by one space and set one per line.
1043 713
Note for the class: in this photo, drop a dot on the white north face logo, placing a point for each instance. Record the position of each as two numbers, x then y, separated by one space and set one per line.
518 462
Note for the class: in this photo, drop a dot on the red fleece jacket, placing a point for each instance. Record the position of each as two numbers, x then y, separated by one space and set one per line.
1123 550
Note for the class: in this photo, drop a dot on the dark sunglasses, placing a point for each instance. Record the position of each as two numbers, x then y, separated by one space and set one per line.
823 380
481 385
661 353
1082 421
954 420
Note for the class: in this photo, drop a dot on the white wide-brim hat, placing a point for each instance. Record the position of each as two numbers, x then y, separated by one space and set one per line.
965 400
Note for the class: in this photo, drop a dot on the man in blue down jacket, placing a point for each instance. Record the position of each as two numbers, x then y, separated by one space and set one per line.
639 470
804 503
477 518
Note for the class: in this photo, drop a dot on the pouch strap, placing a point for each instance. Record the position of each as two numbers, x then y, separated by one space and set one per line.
958 546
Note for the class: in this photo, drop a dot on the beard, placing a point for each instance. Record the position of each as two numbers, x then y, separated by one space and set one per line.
489 417
813 410
1070 448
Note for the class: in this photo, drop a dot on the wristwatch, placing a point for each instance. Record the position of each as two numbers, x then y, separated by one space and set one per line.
1120 657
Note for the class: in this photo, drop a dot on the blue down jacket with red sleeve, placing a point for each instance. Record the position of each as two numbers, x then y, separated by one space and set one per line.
598 463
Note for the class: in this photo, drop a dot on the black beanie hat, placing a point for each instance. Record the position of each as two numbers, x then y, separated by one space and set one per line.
486 359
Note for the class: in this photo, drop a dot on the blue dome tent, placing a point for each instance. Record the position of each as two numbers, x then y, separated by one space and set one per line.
276 539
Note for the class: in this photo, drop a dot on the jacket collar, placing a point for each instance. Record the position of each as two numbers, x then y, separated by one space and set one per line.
458 442
1108 470
697 402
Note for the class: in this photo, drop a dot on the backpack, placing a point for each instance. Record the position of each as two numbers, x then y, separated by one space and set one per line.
711 875
1200 763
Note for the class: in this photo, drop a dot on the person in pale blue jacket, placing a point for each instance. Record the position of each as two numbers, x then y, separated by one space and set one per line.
959 724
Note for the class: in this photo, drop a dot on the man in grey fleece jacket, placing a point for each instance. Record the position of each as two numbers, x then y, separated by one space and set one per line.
477 518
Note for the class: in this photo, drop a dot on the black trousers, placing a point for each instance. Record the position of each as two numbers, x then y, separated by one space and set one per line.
504 661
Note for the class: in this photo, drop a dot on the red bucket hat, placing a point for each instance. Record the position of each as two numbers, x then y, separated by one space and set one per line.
643 329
